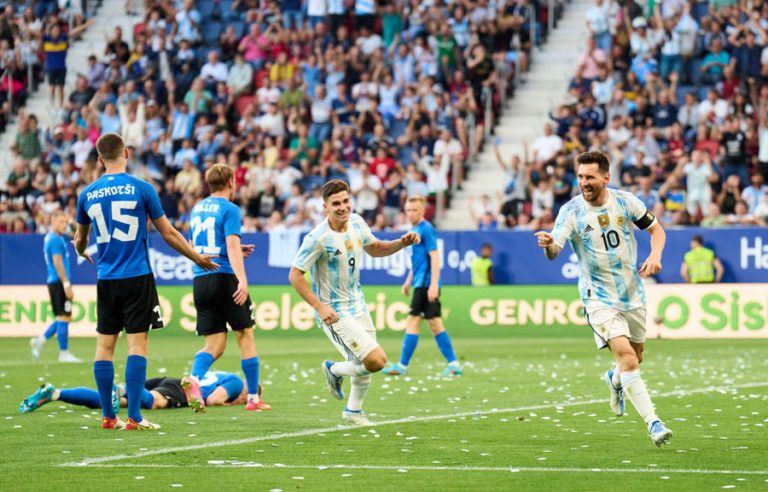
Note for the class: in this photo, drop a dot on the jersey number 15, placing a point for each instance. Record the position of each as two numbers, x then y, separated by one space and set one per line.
103 234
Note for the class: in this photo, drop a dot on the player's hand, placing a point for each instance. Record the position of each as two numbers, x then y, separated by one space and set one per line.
69 293
247 249
405 288
650 267
206 263
87 257
327 314
241 294
410 238
432 293
545 239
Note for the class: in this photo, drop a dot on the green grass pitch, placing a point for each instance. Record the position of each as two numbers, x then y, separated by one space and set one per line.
529 414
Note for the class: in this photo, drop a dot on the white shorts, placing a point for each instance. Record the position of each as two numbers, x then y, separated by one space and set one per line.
354 338
608 323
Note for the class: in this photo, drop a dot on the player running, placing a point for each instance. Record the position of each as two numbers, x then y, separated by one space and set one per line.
218 388
118 205
221 297
332 253
56 253
424 277
597 225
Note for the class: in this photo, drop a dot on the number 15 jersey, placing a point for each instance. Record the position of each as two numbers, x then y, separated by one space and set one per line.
604 241
333 258
117 205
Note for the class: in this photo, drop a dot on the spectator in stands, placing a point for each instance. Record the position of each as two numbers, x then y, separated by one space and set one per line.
754 194
55 47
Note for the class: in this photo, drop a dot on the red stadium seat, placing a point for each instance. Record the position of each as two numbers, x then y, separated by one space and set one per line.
242 103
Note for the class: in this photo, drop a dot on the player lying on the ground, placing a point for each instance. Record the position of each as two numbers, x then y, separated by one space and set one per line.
218 388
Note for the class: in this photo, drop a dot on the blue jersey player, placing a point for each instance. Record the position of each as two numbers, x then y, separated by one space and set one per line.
56 251
217 388
118 206
424 277
599 224
221 297
331 252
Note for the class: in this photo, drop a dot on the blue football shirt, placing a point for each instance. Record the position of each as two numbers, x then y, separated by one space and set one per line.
421 264
55 244
216 379
211 222
118 206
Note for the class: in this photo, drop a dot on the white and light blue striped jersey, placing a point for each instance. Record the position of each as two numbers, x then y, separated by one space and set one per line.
604 241
333 259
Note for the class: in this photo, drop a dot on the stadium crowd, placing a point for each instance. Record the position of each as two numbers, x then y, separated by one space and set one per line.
392 97
290 94
676 93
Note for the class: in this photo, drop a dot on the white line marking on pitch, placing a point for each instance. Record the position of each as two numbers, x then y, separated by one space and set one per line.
406 420
513 469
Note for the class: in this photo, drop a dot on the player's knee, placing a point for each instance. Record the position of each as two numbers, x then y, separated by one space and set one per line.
375 363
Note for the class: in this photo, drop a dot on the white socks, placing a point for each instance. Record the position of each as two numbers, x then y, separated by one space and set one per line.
349 368
616 379
357 391
634 387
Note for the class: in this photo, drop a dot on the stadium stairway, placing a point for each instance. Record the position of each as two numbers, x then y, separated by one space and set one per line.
523 119
109 15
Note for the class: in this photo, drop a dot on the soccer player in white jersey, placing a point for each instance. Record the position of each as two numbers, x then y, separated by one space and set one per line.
331 252
599 224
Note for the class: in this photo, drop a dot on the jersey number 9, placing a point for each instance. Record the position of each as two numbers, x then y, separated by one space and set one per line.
351 265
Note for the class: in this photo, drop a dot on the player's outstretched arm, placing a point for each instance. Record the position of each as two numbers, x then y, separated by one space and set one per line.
175 240
81 241
652 264
386 248
300 285
546 241
235 254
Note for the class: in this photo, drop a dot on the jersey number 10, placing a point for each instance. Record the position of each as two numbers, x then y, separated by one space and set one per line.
103 234
610 239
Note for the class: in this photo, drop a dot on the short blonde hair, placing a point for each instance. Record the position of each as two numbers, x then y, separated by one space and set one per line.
218 177
416 198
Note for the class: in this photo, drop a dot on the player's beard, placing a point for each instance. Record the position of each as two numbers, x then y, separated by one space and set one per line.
591 193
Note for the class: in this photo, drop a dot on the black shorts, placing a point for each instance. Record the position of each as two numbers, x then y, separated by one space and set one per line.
57 77
420 305
59 302
215 306
129 303
171 390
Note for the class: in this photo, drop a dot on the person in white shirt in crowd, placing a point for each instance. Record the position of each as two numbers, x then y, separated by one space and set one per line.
542 197
698 179
82 148
754 194
363 91
214 70
546 147
322 113
367 195
713 104
598 23
240 76
618 133
448 153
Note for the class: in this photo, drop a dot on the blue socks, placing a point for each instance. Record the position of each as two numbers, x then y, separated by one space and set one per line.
409 346
251 371
135 377
62 335
104 372
85 397
444 344
147 400
51 330
201 363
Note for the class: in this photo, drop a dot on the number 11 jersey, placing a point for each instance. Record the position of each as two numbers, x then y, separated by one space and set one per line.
603 239
117 206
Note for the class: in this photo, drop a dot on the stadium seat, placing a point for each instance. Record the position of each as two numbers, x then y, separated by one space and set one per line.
700 10
405 155
239 27
211 33
398 127
243 102
206 8
259 78
681 91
